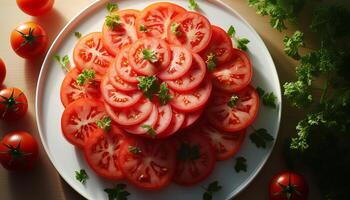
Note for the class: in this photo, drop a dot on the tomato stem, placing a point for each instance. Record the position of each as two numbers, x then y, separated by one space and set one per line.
29 38
10 102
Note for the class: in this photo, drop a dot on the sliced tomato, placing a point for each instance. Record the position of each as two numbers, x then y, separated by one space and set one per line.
156 18
191 118
123 68
130 116
150 121
118 82
192 167
118 98
180 63
71 91
192 78
156 46
192 100
164 118
234 75
102 151
193 32
122 35
226 145
79 119
220 45
152 167
89 53
239 117
177 120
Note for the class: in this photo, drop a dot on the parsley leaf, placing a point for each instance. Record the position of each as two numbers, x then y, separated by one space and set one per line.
269 99
149 85
292 44
193 5
233 101
164 95
150 55
117 193
241 42
104 123
150 130
81 176
175 29
211 61
112 21
111 7
143 28
298 93
87 75
77 34
241 164
188 152
260 137
211 189
64 62
134 150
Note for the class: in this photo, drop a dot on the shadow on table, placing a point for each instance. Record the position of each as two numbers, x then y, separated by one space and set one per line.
68 192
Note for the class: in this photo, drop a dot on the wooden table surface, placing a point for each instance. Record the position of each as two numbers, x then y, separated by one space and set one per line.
43 182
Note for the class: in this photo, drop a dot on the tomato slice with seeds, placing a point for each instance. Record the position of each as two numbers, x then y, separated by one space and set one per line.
102 151
122 35
234 75
70 90
123 68
226 145
78 121
164 118
130 116
150 121
118 98
89 53
193 32
158 47
191 118
192 100
180 63
192 168
192 78
152 167
176 122
220 45
118 82
156 19
239 117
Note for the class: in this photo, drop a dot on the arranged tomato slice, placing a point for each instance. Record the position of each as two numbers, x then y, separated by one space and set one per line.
72 91
123 34
118 82
164 118
123 68
234 75
89 53
130 116
226 145
220 45
237 118
176 122
192 100
193 31
79 119
191 118
192 78
156 18
158 56
180 63
102 151
150 121
117 98
151 165
195 158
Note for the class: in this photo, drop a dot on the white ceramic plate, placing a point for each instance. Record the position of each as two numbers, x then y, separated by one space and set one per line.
67 159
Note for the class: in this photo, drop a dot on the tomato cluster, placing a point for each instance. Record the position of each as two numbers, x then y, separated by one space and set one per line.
151 142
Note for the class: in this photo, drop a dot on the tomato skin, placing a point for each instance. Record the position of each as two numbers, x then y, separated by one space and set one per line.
150 121
2 71
284 178
15 111
191 118
38 45
35 7
27 146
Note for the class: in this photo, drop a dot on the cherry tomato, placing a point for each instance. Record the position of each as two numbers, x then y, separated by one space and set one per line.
151 166
29 40
234 75
18 151
78 121
35 7
72 91
235 118
13 104
89 53
123 67
193 32
150 121
156 18
118 82
102 150
288 185
122 35
2 71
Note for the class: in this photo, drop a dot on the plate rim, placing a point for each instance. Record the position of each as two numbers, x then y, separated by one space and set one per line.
95 5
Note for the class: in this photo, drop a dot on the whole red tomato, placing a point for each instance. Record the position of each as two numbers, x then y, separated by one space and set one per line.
29 40
13 104
288 185
35 7
18 151
2 71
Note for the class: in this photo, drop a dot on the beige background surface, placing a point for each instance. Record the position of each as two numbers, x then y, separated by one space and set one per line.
43 182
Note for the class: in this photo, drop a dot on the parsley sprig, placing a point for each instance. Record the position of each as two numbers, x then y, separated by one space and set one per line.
81 176
117 193
211 189
86 76
193 5
241 42
268 98
175 29
151 87
104 123
164 95
211 61
150 130
64 62
241 164
112 20
150 55
261 137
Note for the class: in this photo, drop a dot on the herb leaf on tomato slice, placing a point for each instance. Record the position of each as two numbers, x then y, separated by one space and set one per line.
233 101
175 29
87 75
104 123
150 130
149 85
150 55
134 149
241 164
211 61
81 176
260 137
117 193
143 28
164 95
111 7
